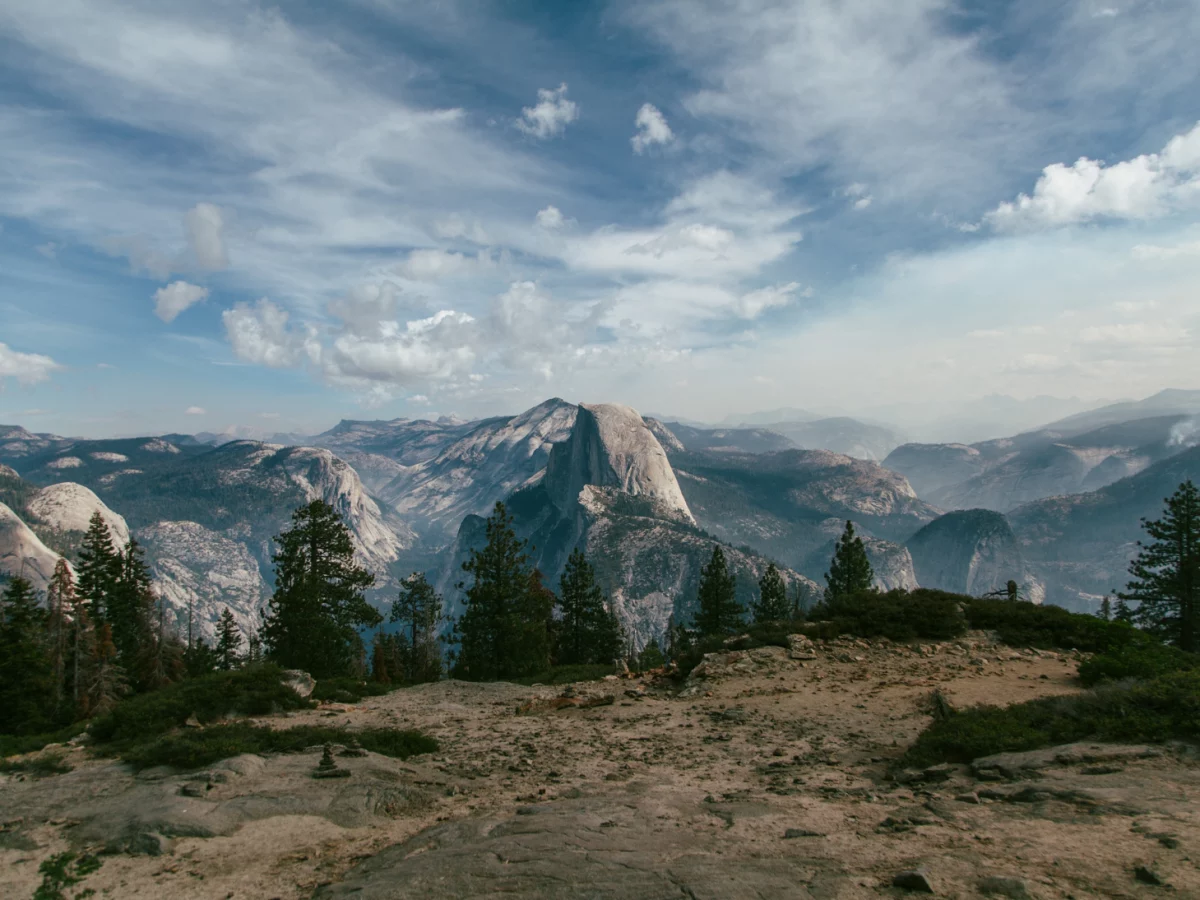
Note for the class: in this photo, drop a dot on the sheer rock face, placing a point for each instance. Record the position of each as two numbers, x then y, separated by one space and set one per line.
971 551
892 564
202 571
22 552
69 507
611 446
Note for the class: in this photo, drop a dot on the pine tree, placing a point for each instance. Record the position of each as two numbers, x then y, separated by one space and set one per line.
60 604
81 650
129 610
26 673
587 632
229 641
651 657
503 630
1123 612
1166 572
253 649
773 604
717 611
99 567
849 571
380 671
419 608
107 682
1106 612
318 605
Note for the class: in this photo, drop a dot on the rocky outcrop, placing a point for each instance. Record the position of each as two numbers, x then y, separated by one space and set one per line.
68 507
891 563
22 552
970 552
611 447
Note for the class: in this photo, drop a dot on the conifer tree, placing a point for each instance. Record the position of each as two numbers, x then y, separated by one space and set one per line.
313 618
1166 572
1106 612
1123 612
419 608
107 682
253 649
651 657
773 604
587 632
850 571
229 641
99 567
380 670
129 608
82 649
502 632
717 611
60 606
26 674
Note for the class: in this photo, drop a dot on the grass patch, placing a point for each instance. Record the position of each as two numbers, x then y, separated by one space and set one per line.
193 748
1166 708
64 870
17 744
897 615
39 766
1144 662
1047 627
348 690
565 675
253 691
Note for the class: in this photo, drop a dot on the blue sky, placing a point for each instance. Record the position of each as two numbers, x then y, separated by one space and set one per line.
275 216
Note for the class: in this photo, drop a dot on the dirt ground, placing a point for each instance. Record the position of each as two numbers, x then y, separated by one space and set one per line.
767 776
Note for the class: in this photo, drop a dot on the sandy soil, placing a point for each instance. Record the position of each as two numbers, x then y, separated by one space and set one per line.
761 744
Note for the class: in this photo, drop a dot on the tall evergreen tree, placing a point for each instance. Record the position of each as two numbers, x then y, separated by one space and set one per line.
850 571
1123 612
588 632
229 641
773 604
313 618
107 681
129 608
60 606
99 567
419 608
1106 612
26 673
717 611
502 632
81 650
1166 572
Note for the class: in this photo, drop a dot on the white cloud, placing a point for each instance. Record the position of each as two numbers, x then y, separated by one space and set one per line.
27 368
195 411
551 115
652 128
860 196
550 218
268 415
205 226
751 305
435 348
177 296
1144 187
260 334
431 265
1146 252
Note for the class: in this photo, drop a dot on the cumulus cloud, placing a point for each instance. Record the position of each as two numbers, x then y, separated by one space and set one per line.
177 296
261 334
1144 187
195 411
751 305
551 115
652 128
431 265
550 218
26 368
434 348
205 226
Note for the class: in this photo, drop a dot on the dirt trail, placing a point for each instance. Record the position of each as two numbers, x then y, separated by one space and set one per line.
767 778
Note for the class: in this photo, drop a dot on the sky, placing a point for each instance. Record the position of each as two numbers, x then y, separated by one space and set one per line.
278 216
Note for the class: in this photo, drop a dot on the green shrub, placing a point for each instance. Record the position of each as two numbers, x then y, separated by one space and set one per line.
1167 708
898 615
14 744
1045 627
193 748
41 766
348 690
762 634
1143 662
566 674
253 691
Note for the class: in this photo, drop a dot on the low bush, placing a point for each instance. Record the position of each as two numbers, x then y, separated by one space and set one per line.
348 690
1021 624
565 674
898 615
253 691
13 744
1166 708
1143 662
689 652
193 748
41 766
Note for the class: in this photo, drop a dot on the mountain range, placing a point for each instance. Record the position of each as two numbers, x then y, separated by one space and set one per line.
1056 509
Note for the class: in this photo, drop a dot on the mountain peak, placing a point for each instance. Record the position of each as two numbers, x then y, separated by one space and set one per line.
611 446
